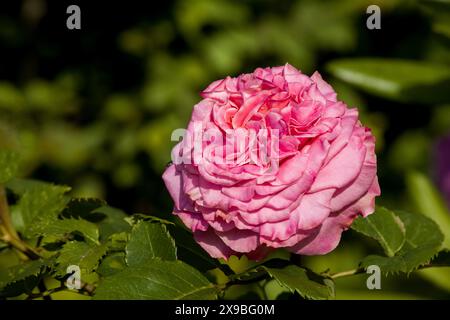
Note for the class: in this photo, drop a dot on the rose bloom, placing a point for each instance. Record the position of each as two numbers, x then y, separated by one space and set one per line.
318 179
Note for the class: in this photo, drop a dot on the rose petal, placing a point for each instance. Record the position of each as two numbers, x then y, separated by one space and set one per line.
212 244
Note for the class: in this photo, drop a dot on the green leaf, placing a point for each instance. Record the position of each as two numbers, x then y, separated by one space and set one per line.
117 242
157 280
137 217
149 240
112 264
23 271
39 204
423 240
115 259
83 208
252 274
385 227
82 254
59 228
38 211
427 199
9 163
113 221
401 80
305 282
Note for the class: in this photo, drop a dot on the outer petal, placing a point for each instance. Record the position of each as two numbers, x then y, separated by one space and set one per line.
362 184
324 87
240 240
366 205
314 209
192 220
344 168
173 180
324 238
327 236
212 244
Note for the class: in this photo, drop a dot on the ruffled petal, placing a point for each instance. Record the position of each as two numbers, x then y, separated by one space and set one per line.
192 220
212 244
314 209
324 87
241 241
173 181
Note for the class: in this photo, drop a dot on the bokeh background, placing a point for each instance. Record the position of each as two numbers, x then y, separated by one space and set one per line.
94 108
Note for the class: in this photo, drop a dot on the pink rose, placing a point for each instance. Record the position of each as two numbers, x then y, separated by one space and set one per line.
317 176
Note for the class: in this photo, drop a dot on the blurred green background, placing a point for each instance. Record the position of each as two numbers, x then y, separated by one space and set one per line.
94 108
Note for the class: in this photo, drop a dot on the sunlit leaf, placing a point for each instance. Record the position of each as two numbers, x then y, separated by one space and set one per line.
428 201
305 282
113 221
148 241
82 254
385 227
423 239
39 207
23 277
401 80
172 280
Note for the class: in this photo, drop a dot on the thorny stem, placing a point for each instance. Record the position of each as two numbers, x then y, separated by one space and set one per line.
362 270
5 218
7 231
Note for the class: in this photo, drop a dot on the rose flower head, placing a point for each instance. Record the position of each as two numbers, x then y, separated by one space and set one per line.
272 160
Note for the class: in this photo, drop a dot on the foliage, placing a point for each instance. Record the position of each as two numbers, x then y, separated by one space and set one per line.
421 240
